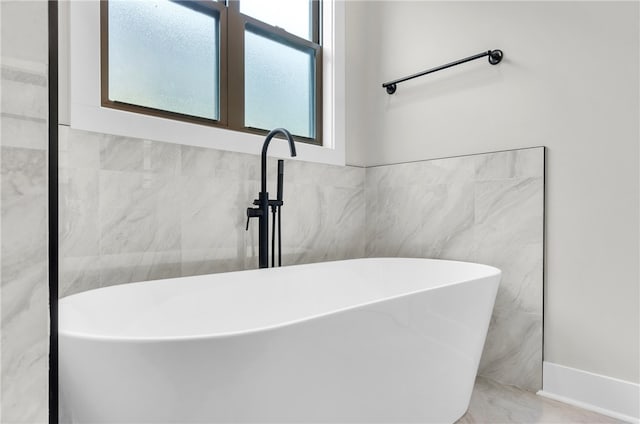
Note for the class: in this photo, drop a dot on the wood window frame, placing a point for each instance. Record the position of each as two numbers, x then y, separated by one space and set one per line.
231 24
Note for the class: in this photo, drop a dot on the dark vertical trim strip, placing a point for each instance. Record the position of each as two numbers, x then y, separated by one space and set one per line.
104 52
53 211
545 153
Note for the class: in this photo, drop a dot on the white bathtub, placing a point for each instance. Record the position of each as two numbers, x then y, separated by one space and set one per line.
366 340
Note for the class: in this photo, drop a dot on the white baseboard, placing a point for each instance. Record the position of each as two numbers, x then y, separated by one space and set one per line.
608 396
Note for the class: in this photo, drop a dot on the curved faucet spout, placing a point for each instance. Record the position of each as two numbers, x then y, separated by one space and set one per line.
265 146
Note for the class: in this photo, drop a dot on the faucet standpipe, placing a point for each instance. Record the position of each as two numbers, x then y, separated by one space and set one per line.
263 203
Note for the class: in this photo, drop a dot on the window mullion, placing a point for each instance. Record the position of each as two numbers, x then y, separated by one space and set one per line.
235 64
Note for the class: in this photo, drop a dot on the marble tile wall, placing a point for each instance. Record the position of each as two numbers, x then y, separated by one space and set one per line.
24 289
133 210
484 208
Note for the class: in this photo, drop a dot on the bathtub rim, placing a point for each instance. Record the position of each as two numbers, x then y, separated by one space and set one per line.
493 272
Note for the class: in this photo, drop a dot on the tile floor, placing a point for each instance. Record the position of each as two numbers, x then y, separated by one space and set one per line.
498 404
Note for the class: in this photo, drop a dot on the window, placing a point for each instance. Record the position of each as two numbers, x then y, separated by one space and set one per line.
244 65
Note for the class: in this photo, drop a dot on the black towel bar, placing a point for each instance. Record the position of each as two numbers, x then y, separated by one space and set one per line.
495 56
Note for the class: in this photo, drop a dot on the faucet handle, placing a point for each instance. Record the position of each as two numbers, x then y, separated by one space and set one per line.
252 213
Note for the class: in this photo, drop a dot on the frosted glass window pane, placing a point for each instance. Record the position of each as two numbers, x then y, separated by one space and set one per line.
164 55
294 16
279 86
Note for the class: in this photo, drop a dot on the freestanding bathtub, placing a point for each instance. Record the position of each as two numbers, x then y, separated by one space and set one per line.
366 340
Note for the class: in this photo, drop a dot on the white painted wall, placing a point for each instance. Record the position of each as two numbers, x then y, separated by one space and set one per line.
357 90
569 81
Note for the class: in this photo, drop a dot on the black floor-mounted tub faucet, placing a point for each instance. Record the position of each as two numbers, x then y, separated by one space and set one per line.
262 210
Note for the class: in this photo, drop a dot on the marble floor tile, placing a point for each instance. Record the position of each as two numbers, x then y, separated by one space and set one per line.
498 404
